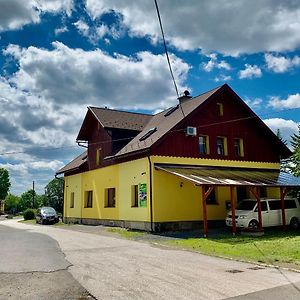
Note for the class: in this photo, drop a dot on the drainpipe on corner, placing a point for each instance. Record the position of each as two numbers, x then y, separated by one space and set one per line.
150 196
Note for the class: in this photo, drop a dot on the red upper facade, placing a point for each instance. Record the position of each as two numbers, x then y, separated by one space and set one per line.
217 125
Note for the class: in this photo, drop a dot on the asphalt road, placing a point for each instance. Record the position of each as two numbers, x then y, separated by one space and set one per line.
115 268
33 267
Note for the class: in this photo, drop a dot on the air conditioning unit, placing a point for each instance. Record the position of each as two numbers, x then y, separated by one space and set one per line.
191 131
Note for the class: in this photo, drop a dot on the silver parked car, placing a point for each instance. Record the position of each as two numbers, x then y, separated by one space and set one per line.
46 215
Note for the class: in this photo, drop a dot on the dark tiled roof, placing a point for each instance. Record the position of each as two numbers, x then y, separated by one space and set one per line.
120 119
74 164
163 124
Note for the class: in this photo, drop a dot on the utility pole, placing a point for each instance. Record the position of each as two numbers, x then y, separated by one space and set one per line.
33 194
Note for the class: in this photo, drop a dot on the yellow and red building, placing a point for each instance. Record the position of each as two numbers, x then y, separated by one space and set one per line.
174 170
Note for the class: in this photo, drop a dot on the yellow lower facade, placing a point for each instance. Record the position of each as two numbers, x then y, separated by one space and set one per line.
165 198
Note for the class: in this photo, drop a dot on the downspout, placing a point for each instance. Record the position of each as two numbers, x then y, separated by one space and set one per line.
150 196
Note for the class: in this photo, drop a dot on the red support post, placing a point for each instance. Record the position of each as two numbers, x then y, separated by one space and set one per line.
233 203
283 192
256 194
204 208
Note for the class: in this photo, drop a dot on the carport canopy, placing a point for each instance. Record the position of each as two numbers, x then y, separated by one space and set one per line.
222 176
209 177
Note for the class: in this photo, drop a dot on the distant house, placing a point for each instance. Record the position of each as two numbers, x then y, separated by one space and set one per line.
177 169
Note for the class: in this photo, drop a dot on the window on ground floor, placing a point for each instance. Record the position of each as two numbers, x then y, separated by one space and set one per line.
72 197
110 197
212 198
88 203
135 195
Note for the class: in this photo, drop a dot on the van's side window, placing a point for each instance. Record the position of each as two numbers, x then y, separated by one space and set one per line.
274 205
264 206
290 204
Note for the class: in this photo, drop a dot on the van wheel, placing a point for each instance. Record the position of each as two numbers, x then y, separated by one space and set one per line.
253 224
294 224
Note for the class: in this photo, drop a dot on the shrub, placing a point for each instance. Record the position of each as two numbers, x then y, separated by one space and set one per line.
29 214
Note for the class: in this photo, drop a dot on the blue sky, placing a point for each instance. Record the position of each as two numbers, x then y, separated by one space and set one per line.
57 57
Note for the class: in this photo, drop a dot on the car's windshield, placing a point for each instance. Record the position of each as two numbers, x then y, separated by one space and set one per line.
48 210
246 205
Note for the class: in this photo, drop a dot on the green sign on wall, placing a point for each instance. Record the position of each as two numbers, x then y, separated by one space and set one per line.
142 194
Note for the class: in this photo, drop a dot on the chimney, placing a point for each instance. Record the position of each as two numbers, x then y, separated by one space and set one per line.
184 97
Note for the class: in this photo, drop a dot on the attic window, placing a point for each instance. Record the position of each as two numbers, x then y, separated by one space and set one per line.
171 110
148 133
220 109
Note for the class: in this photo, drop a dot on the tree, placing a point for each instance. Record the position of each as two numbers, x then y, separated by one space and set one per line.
4 183
4 187
54 192
296 153
278 133
28 202
12 203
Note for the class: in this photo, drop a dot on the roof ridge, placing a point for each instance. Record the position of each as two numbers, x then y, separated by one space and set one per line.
216 88
119 110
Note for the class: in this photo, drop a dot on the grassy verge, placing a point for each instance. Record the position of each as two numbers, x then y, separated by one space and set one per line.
60 223
28 221
128 234
276 248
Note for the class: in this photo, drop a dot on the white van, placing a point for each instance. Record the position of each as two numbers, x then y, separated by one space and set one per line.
246 214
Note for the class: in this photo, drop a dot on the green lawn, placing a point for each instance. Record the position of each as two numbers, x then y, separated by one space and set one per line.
129 234
275 247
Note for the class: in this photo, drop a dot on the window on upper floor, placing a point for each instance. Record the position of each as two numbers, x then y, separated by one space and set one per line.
204 144
110 197
220 109
72 198
239 147
98 156
88 203
222 145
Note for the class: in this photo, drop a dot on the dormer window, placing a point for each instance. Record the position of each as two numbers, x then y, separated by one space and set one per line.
220 109
171 110
148 133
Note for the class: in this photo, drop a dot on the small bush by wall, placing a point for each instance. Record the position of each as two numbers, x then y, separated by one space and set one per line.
29 214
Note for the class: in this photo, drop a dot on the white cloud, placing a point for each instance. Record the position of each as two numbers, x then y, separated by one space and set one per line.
97 32
54 6
213 63
281 64
14 14
61 30
91 77
287 127
292 101
222 77
82 27
232 27
254 103
250 72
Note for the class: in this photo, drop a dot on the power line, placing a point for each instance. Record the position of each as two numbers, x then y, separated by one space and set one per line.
165 46
167 54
